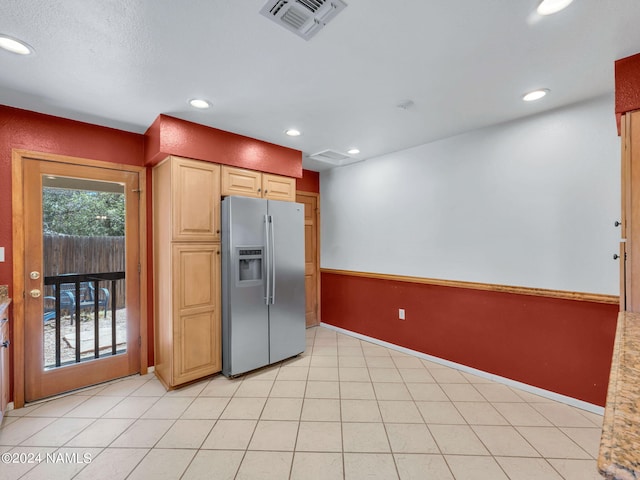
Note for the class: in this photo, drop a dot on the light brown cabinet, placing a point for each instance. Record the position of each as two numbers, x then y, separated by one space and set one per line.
196 312
4 361
276 187
191 199
186 212
629 255
249 183
238 181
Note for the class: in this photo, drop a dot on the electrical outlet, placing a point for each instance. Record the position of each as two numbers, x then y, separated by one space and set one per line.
401 313
1 254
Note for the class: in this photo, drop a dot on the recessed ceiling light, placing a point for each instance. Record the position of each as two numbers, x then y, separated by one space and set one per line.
14 45
199 103
353 151
292 132
535 95
549 7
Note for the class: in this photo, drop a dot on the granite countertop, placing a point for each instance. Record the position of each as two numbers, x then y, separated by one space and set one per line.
619 457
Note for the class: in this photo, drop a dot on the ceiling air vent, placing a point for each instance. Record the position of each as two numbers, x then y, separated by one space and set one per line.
334 158
305 18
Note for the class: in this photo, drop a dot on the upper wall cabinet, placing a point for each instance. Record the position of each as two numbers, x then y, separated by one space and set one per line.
249 183
276 187
238 181
191 198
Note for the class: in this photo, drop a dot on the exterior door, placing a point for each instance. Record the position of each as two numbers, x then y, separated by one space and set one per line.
81 276
311 255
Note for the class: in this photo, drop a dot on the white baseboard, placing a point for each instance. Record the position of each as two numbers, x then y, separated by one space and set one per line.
574 402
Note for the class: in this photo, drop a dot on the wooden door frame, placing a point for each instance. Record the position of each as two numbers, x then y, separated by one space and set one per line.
18 157
317 219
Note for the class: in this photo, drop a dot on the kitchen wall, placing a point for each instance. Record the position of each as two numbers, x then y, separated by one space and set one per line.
530 203
309 182
527 203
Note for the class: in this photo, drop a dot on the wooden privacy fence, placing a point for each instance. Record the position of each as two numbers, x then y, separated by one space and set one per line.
78 254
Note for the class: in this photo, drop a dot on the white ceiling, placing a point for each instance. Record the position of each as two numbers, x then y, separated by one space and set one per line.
464 64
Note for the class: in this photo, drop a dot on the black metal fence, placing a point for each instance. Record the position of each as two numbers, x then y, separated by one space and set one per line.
74 295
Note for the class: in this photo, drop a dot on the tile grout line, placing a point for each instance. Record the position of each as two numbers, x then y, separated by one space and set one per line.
384 425
344 472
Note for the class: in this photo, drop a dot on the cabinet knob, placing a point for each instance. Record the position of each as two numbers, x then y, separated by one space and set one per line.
616 256
617 223
259 190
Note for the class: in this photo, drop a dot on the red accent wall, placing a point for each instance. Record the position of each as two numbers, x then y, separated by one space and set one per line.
627 80
310 182
172 136
564 346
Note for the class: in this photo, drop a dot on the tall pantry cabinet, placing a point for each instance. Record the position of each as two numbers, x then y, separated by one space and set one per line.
630 213
186 216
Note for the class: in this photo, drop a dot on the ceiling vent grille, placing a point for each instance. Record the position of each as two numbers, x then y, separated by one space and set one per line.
294 18
333 158
313 5
305 18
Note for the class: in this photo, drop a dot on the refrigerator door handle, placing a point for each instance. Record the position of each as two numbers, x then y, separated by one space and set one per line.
273 260
267 261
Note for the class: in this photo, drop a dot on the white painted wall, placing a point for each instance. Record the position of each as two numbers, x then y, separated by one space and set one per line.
531 203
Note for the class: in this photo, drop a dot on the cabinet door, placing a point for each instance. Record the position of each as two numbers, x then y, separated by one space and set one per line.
276 187
196 200
196 319
4 366
238 181
631 208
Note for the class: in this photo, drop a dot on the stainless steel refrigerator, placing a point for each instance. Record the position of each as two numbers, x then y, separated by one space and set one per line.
263 292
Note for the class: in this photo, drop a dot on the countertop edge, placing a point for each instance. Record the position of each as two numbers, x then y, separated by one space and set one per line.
616 459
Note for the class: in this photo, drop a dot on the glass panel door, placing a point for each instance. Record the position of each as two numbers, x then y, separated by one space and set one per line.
82 254
84 314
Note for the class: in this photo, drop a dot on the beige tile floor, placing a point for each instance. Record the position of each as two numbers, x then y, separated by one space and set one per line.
346 409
